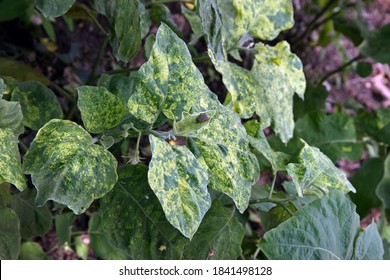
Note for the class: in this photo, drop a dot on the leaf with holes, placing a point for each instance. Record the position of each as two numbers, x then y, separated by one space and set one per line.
141 230
66 167
316 174
326 229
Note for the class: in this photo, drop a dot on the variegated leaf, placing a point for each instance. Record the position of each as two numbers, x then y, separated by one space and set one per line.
11 116
267 88
316 174
180 184
140 229
66 167
10 167
39 104
100 109
258 141
190 124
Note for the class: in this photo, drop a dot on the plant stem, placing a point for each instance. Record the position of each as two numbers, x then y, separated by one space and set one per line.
204 58
273 185
98 59
62 92
122 71
256 253
339 69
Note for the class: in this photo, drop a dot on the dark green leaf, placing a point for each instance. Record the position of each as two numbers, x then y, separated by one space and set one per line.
34 221
5 194
376 44
314 101
62 152
11 9
119 85
31 251
63 224
219 237
10 167
53 8
349 28
161 13
193 19
364 69
180 184
316 174
100 109
141 229
9 234
39 104
325 229
333 134
383 189
365 181
99 241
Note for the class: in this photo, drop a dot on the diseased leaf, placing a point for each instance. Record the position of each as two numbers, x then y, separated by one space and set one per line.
141 230
119 85
39 104
273 79
34 221
10 167
129 24
366 181
180 184
325 229
316 174
100 109
190 124
376 44
219 237
11 116
170 83
383 189
258 141
9 234
99 242
333 134
53 8
9 84
62 152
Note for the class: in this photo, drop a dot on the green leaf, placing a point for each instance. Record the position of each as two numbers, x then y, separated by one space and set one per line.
383 189
9 234
314 101
99 5
376 44
258 141
333 134
20 71
81 248
34 221
10 9
31 251
273 79
365 181
99 242
62 152
141 229
263 19
10 167
180 184
2 87
53 8
351 28
119 85
39 104
219 237
193 19
191 124
368 245
100 109
327 228
5 194
316 174
364 69
129 24
63 224
161 13
9 84
11 116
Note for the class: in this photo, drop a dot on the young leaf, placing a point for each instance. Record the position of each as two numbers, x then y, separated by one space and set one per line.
39 104
180 184
190 124
141 229
383 189
11 116
325 229
219 237
99 242
31 251
63 153
9 234
258 141
53 8
333 134
100 109
129 24
34 221
316 174
10 167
